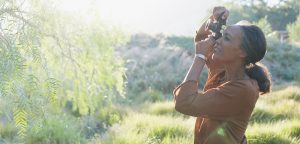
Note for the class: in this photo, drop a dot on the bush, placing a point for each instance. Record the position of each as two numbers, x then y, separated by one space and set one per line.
282 59
150 95
8 132
294 30
156 69
110 115
264 25
55 130
184 42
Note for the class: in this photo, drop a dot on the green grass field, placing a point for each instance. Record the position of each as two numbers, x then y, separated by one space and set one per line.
275 120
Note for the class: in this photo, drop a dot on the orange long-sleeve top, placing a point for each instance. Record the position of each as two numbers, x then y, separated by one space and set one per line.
223 109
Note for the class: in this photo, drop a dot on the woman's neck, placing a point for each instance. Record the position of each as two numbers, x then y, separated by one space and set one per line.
235 71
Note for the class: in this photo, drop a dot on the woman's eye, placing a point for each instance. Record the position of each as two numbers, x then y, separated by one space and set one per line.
226 38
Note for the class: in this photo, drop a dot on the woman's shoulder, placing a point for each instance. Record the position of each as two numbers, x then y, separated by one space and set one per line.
243 87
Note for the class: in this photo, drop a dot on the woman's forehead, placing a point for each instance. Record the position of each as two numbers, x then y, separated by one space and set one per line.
234 31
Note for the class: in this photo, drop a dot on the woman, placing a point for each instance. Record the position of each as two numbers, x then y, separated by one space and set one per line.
234 83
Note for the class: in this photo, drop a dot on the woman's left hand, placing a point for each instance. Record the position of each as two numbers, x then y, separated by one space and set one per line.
205 46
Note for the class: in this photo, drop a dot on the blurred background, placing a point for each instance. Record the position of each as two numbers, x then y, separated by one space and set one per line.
103 71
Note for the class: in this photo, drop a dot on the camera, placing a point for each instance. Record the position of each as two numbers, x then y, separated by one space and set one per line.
216 26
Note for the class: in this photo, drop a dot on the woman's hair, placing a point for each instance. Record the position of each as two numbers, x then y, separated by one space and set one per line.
254 44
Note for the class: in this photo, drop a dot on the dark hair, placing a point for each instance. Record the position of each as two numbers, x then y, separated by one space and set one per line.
255 45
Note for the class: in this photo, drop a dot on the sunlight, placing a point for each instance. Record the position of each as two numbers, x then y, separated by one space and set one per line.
150 16
73 5
156 16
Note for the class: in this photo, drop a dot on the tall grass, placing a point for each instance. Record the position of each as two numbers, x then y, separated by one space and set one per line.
275 120
145 128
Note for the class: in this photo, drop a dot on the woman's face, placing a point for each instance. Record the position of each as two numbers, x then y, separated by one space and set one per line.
228 47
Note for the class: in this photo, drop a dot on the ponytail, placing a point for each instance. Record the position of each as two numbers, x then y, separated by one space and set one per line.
262 75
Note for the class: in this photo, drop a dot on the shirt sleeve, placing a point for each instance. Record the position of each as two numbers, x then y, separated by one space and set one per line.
221 102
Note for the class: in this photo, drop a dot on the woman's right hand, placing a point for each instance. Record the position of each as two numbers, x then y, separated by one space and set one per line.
202 32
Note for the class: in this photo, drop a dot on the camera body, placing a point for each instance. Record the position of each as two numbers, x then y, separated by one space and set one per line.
216 26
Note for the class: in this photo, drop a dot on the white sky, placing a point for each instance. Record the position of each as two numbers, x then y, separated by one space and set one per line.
178 17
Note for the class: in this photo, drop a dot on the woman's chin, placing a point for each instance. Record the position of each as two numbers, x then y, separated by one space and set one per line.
214 56
217 58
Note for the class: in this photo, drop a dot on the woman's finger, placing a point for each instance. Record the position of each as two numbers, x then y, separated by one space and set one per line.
218 11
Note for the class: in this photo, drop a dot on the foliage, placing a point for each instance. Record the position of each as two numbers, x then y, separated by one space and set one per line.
56 129
50 58
278 15
8 132
264 25
109 116
282 59
184 42
153 72
294 30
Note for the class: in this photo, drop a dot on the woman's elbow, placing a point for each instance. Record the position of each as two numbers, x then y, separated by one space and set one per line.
181 107
177 107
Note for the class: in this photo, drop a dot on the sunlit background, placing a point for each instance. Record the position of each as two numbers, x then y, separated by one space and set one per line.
103 71
178 17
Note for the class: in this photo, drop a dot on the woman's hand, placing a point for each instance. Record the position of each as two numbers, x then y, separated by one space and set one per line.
217 11
205 46
202 32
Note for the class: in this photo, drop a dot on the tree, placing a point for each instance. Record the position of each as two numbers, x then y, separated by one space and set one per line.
49 58
264 25
278 15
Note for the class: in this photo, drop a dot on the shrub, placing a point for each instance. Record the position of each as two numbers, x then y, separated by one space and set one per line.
184 42
110 115
294 30
56 129
282 59
8 132
156 69
264 25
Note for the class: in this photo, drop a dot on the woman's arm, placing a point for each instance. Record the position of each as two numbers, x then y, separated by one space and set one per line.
202 47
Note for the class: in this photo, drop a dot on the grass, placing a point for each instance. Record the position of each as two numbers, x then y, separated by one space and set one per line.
275 120
161 108
146 128
280 132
